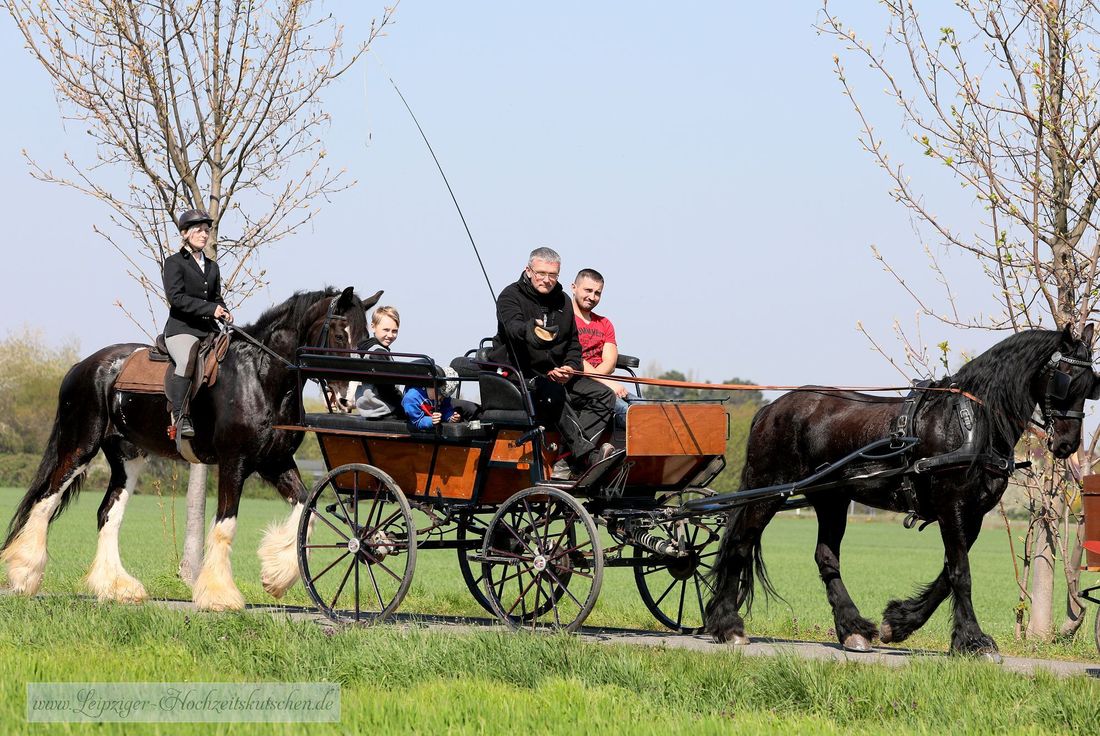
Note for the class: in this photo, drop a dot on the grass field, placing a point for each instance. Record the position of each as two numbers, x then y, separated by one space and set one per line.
411 680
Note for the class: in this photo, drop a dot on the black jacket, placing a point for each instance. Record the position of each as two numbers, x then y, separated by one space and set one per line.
518 306
193 294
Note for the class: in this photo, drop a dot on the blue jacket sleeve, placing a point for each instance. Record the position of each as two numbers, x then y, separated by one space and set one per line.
411 403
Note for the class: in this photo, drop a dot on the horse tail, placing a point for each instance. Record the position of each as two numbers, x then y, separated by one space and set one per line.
78 429
40 486
740 560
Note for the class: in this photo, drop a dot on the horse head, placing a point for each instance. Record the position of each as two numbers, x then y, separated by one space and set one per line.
337 322
1062 387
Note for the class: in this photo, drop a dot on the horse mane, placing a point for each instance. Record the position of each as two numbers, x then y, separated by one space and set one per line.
290 313
1001 378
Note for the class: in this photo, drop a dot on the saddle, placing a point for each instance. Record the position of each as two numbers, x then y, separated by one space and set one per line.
146 370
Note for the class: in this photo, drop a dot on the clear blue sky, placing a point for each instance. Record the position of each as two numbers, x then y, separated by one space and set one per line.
700 155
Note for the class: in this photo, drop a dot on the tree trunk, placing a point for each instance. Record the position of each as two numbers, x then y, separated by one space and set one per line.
1040 625
191 562
1075 610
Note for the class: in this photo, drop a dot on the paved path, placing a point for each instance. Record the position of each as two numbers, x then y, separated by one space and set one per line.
890 656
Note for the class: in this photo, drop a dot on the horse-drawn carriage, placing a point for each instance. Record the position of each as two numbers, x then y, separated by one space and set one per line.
532 550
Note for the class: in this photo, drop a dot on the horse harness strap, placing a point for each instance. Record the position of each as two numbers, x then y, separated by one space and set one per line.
248 338
966 454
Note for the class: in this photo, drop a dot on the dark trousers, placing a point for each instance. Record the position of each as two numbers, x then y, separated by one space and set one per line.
581 410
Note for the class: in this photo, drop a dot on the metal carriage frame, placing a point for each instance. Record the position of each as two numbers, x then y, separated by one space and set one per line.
531 550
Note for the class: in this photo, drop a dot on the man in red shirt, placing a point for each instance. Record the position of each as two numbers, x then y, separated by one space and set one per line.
599 348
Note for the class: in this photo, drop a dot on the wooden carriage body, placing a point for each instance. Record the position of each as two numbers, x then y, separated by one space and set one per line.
668 447
528 545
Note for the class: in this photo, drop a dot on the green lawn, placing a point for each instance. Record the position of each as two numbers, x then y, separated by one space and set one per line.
409 680
406 680
881 561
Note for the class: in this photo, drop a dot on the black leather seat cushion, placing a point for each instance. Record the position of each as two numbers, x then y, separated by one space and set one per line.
356 423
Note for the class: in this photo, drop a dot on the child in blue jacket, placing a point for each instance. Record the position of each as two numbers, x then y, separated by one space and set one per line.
422 408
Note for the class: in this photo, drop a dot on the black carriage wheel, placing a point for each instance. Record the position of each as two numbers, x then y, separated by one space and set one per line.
542 561
357 544
1096 631
676 589
470 528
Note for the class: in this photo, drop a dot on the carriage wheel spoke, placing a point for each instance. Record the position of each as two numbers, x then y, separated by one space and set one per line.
325 546
343 582
376 505
333 564
336 492
699 597
532 520
667 590
522 599
508 578
357 592
562 553
551 599
377 590
374 561
519 539
535 608
563 587
382 525
680 608
510 555
321 516
355 518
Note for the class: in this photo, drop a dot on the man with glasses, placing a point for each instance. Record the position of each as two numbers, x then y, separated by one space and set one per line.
536 333
193 288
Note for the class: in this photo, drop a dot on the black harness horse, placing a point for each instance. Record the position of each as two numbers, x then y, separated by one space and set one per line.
958 466
234 419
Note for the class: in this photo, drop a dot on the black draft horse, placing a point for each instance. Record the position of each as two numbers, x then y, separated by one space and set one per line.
233 421
800 431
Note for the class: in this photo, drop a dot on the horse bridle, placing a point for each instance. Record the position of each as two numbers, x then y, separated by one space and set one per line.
1057 388
324 344
328 318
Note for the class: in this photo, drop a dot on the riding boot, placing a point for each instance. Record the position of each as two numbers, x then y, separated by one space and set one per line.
176 389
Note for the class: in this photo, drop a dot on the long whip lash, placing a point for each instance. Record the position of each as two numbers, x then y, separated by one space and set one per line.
492 291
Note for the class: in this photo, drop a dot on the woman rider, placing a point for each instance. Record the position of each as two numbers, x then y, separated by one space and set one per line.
193 287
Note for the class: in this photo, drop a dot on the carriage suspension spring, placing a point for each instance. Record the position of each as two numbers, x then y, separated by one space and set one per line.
630 532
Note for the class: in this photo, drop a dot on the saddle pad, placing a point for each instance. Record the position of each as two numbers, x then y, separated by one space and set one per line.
141 375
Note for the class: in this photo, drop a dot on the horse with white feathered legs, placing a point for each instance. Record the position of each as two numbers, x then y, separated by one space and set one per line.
256 390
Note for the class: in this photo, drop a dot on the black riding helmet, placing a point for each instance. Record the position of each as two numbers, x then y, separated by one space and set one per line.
191 218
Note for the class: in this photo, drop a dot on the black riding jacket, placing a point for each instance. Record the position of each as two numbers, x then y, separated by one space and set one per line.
193 294
518 306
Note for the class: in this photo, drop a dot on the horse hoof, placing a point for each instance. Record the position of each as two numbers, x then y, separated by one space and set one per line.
738 640
991 656
857 643
885 633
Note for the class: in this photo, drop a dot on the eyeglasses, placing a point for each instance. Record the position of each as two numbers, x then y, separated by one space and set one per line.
545 275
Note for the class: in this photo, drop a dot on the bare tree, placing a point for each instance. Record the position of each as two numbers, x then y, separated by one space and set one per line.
213 104
1008 103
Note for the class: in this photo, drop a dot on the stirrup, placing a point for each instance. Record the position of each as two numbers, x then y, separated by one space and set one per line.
184 428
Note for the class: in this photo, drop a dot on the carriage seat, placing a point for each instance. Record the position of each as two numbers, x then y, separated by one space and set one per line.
501 401
356 423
